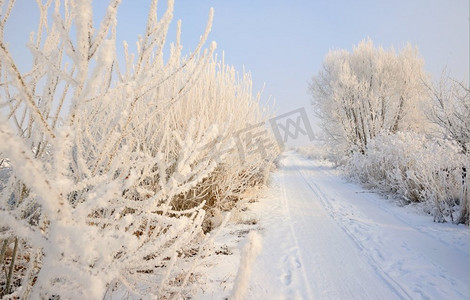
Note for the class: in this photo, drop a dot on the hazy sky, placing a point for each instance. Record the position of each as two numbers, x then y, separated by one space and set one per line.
283 43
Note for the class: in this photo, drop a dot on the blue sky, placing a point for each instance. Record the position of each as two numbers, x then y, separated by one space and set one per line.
283 43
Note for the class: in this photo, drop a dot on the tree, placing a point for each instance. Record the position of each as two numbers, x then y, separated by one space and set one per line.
451 112
360 94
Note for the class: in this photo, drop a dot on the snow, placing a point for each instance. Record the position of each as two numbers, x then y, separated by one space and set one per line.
326 238
251 249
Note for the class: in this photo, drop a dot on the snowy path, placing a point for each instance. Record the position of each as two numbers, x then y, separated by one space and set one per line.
325 238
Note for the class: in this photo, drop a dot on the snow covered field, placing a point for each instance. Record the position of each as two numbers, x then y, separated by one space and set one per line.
325 238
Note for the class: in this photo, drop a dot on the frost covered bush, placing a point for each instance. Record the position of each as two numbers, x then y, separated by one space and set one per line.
417 168
317 150
112 164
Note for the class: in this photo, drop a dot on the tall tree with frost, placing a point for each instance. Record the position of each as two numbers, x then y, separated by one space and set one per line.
451 112
368 91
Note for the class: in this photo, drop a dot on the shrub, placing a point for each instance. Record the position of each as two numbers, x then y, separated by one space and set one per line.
417 168
111 166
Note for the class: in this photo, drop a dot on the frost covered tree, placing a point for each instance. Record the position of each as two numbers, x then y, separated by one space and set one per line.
109 166
360 94
451 112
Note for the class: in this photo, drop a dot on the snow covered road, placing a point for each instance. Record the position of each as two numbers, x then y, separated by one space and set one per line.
325 238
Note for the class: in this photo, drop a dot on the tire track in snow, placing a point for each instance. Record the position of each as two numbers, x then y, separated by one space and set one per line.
322 240
423 271
395 286
292 260
330 264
